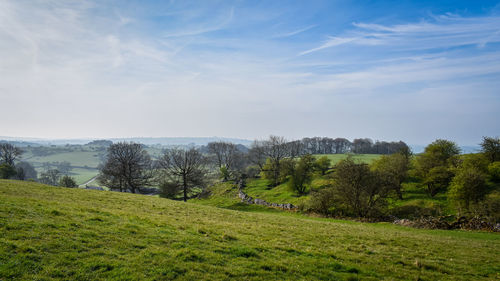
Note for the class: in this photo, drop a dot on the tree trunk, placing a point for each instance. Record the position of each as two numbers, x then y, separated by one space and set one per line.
184 183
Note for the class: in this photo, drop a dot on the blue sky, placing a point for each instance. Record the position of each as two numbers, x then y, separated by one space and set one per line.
388 70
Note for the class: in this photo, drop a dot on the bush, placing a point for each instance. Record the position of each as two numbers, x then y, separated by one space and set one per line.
169 189
494 171
490 207
469 186
358 190
252 171
301 174
322 202
323 164
67 181
417 209
7 171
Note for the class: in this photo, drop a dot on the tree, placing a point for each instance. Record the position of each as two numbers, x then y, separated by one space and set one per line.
256 154
276 149
25 171
392 171
435 165
491 148
469 184
182 171
323 164
356 189
67 181
50 177
128 167
227 157
301 175
7 171
9 153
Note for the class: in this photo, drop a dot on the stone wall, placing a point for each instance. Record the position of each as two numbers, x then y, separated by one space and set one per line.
245 198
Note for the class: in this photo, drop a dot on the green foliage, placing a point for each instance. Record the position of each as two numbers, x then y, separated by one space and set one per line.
417 209
323 164
494 171
302 174
224 173
50 177
434 166
490 206
169 189
491 148
322 201
392 171
469 185
67 181
357 190
277 174
7 171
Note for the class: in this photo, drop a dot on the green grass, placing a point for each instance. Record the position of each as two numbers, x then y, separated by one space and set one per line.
76 158
74 234
365 158
82 175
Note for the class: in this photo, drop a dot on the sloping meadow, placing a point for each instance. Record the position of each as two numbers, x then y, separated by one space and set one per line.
58 233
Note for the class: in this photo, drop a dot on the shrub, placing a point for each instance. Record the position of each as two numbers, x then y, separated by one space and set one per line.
494 171
417 209
67 181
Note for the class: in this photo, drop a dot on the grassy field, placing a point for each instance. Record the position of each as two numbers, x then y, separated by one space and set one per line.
57 233
365 158
84 160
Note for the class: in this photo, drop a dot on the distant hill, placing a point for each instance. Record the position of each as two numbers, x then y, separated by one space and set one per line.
148 141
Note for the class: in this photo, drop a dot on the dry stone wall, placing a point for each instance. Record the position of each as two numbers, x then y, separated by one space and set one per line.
245 198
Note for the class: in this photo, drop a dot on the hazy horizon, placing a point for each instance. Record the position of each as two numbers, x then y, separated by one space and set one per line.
413 71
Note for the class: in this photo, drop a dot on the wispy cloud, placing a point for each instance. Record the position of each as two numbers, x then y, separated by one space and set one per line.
445 32
67 70
295 32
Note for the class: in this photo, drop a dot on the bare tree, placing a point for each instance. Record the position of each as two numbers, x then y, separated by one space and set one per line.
226 156
9 153
276 149
256 154
128 167
182 171
50 177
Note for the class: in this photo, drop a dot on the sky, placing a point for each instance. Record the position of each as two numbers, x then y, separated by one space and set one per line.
388 70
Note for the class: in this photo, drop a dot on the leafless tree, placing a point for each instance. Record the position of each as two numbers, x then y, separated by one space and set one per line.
256 154
226 155
128 167
276 149
182 170
9 153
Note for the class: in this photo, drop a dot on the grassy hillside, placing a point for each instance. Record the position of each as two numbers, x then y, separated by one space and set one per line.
335 158
57 233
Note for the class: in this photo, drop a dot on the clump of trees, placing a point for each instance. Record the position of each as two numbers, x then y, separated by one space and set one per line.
436 165
474 189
